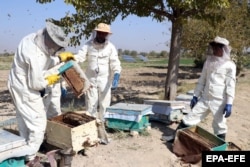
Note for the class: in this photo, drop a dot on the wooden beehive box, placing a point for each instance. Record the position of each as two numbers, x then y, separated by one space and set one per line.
65 131
196 136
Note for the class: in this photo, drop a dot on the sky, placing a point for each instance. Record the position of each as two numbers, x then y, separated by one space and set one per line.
20 18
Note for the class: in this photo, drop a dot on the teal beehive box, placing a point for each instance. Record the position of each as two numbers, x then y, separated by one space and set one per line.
125 116
13 162
9 143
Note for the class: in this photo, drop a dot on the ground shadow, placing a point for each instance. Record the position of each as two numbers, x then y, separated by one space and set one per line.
166 131
5 96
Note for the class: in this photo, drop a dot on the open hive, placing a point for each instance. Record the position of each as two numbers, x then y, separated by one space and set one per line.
72 130
197 139
190 142
72 119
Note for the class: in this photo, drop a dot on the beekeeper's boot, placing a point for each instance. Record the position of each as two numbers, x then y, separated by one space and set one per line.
222 136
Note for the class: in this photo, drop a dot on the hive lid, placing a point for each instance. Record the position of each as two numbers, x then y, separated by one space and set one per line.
9 140
130 109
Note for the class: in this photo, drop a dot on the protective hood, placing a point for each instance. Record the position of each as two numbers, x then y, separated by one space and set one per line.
57 34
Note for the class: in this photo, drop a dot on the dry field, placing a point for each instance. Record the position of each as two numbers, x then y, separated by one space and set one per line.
147 150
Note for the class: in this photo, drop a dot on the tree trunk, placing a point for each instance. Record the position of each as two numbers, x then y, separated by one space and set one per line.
173 63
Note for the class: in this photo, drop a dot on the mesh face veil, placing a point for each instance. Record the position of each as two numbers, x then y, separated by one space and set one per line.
214 62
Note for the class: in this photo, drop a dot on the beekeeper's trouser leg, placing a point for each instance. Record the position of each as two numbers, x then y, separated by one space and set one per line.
99 96
52 101
31 119
197 114
219 121
202 109
92 101
98 99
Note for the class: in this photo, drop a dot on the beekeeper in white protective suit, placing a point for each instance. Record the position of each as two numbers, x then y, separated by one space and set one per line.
34 55
215 90
103 70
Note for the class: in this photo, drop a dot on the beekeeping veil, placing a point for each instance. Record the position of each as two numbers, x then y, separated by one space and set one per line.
102 27
213 61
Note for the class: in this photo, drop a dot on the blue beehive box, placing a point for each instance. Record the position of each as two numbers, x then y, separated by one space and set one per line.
125 116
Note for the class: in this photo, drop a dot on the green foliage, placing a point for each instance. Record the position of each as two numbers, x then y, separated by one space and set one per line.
242 61
134 53
151 62
151 54
156 62
187 61
199 62
163 54
90 13
234 25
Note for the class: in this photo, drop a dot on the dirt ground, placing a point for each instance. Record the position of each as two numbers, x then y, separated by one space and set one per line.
148 150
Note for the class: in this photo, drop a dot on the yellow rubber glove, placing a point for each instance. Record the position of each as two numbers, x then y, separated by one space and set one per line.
65 56
52 79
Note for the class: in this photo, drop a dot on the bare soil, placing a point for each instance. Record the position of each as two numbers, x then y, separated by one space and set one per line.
147 149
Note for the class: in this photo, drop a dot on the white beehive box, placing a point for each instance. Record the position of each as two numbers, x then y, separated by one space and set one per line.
10 141
65 136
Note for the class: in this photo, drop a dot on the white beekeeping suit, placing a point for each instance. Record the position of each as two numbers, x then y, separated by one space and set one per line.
103 63
215 89
103 70
52 100
52 95
26 81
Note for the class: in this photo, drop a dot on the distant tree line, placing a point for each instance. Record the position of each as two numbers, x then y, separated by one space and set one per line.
133 53
151 54
5 54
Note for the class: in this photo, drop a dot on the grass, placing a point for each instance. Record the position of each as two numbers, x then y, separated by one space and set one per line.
5 62
156 62
187 61
120 134
184 87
